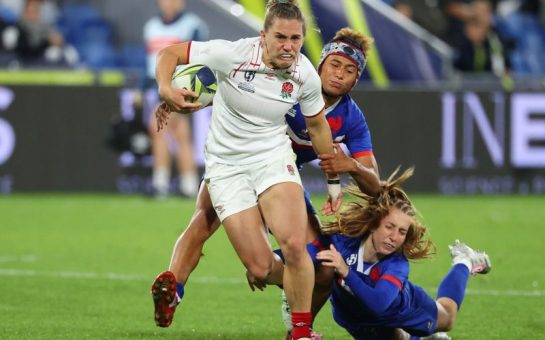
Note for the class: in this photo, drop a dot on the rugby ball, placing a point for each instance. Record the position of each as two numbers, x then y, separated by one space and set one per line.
197 78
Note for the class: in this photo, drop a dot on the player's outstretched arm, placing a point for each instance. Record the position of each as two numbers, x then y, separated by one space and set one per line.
320 134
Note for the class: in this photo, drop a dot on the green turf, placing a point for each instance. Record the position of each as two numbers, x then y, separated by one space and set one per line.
80 266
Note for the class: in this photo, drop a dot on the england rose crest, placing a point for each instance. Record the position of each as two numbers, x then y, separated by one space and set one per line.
287 89
291 170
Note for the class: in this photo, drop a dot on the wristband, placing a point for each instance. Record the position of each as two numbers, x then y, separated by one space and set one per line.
334 181
334 189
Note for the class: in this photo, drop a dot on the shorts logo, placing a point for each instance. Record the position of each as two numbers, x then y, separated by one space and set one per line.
430 324
287 89
291 170
220 208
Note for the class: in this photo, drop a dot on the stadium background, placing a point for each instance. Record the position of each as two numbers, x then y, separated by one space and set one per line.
464 133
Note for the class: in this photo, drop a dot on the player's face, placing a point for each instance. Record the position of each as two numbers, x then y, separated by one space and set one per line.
170 8
391 233
282 43
338 75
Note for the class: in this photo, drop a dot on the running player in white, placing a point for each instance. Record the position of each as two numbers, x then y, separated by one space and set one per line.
251 173
342 64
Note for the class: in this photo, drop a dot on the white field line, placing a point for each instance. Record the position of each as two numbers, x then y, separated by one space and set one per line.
218 280
21 258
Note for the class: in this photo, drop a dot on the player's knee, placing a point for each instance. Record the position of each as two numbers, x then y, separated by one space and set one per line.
294 249
259 269
449 325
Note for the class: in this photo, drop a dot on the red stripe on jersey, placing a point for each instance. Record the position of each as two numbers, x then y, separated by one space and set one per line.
254 60
393 280
318 244
315 114
362 153
237 69
188 51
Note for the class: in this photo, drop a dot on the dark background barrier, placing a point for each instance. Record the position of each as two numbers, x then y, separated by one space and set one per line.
52 139
58 139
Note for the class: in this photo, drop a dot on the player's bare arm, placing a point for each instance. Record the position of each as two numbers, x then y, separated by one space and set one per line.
174 99
364 170
320 134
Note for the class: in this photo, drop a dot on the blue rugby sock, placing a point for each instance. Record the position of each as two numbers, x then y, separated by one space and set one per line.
454 284
180 290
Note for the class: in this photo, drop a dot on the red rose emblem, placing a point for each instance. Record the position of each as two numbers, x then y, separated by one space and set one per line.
287 87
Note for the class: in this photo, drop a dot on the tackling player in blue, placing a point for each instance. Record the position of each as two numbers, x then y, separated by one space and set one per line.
342 63
369 249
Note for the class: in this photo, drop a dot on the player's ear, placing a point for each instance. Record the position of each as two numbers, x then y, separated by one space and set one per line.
262 36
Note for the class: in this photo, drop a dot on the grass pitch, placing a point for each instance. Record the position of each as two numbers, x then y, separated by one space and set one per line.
81 266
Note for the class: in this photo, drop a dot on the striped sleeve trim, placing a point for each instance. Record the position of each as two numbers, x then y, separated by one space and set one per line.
314 115
393 280
362 153
318 244
189 52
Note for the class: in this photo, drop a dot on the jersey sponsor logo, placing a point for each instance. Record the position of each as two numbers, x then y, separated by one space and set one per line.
249 75
246 87
287 89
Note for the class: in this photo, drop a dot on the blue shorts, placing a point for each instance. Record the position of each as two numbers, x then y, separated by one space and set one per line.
419 319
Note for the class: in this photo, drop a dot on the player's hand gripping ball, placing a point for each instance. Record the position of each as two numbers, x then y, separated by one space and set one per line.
197 78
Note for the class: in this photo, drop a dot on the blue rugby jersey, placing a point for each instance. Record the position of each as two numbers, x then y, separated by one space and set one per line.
377 294
347 124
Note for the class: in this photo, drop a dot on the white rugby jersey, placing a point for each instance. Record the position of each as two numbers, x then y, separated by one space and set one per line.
159 34
248 123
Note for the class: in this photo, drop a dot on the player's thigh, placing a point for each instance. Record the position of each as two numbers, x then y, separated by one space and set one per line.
248 235
204 218
283 210
281 198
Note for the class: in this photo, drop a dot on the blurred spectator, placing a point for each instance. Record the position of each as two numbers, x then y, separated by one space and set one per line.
425 13
48 14
37 41
482 49
457 13
523 22
173 25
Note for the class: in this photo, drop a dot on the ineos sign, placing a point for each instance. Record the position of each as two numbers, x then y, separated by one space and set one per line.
7 134
526 138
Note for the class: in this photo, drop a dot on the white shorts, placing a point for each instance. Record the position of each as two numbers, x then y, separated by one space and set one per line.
234 188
